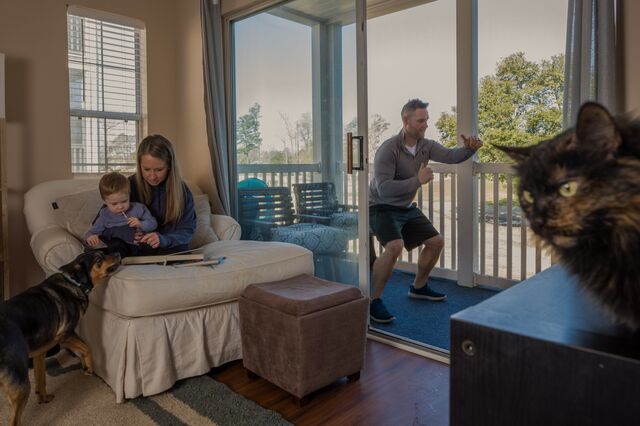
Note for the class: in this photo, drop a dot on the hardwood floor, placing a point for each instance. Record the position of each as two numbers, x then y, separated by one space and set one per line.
395 388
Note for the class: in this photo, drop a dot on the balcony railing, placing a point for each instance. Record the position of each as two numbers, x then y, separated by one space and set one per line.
506 252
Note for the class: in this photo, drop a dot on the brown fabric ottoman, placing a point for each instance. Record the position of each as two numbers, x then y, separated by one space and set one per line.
303 333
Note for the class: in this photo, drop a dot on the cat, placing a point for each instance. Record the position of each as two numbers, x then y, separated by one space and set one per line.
580 192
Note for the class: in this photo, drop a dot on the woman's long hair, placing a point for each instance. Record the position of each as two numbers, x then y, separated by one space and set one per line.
159 147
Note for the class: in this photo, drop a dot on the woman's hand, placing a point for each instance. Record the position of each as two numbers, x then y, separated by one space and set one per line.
152 238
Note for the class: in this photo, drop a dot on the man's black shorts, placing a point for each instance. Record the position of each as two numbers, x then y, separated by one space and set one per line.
390 223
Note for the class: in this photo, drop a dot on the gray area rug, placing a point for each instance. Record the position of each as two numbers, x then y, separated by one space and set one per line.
87 400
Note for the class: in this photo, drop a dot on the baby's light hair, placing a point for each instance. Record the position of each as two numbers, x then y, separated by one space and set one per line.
112 183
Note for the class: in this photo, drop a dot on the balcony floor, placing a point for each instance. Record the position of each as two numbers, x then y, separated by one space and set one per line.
421 320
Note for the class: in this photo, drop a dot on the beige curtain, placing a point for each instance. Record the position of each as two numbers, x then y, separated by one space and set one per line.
214 98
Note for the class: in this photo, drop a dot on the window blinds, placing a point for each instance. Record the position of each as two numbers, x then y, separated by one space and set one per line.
105 60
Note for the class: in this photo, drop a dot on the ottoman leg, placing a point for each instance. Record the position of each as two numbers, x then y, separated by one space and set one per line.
301 402
353 377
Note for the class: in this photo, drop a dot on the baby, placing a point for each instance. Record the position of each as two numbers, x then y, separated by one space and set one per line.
118 220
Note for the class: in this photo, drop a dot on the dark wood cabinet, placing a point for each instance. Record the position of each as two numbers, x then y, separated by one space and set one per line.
543 353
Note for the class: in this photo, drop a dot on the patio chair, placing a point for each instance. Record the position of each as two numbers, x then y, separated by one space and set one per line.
318 203
266 214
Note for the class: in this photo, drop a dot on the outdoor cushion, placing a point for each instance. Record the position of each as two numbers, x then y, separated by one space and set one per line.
320 239
347 221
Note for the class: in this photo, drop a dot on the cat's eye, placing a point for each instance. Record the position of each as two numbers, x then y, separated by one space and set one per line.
568 189
527 197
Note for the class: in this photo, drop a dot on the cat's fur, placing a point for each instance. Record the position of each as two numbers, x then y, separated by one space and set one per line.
580 192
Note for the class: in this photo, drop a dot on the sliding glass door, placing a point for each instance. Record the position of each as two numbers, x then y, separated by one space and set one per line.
298 69
307 126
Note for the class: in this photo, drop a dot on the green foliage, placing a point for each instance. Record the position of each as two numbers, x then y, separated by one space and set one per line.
521 104
248 137
277 157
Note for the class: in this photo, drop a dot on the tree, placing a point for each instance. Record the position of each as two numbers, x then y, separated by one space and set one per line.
519 105
248 137
304 129
121 152
299 138
378 125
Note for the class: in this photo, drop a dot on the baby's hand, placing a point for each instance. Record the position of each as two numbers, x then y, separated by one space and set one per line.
133 222
93 240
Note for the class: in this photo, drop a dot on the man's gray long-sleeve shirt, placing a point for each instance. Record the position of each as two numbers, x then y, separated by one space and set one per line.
395 179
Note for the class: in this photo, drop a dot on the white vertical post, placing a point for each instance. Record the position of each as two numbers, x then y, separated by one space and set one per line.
363 125
467 108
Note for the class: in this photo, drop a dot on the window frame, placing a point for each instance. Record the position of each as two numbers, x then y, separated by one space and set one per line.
139 117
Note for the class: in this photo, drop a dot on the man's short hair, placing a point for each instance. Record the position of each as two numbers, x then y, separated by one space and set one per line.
411 106
113 182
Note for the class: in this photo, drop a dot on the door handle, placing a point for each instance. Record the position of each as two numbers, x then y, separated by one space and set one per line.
358 158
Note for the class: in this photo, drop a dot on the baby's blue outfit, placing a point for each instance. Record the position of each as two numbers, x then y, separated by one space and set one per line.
108 225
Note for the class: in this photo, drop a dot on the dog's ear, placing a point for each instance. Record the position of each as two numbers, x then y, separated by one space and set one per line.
75 271
80 268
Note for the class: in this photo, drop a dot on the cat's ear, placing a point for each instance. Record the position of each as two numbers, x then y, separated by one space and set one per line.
596 128
517 153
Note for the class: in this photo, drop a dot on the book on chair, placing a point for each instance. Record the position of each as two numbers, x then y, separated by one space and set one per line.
164 259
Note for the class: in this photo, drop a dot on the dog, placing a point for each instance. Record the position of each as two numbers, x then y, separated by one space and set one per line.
43 316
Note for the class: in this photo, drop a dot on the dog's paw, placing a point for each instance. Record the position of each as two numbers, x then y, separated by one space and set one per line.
43 399
88 371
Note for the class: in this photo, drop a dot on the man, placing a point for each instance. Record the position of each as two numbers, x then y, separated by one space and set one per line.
400 169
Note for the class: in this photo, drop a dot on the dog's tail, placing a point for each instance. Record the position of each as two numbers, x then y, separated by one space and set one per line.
14 367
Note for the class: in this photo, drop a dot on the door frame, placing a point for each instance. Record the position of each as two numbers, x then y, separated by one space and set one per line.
363 126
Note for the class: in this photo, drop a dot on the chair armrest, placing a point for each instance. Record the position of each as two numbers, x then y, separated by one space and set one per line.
347 208
225 227
313 218
259 229
54 247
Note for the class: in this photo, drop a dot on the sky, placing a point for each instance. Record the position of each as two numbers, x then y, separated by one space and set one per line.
411 53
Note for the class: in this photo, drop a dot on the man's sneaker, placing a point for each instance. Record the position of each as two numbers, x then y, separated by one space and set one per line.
425 293
378 312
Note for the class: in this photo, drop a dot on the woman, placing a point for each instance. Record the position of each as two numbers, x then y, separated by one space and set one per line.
158 184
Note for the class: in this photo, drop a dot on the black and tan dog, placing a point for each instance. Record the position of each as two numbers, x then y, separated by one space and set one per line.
37 319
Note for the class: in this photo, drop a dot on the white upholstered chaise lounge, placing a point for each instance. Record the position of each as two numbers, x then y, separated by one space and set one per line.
152 325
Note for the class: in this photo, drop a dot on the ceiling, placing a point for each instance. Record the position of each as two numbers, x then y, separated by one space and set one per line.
311 12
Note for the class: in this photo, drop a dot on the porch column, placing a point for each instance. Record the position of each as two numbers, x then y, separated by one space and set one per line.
326 67
467 108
